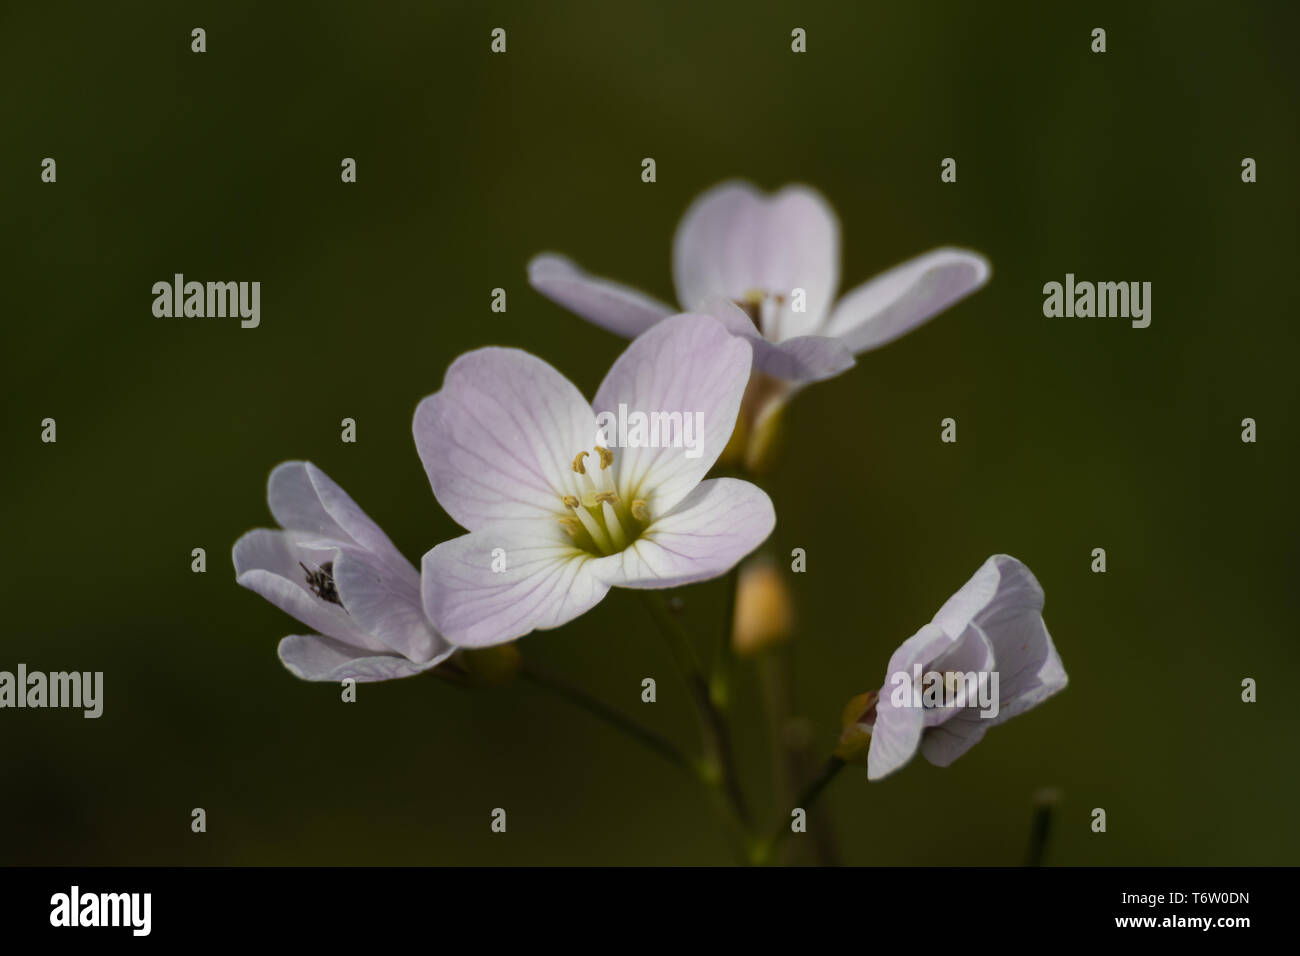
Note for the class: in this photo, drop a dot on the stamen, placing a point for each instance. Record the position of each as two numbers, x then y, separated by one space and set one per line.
594 529
571 501
606 457
578 464
571 526
615 526
640 510
607 496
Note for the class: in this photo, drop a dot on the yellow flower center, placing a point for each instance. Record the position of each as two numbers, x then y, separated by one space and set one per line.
595 516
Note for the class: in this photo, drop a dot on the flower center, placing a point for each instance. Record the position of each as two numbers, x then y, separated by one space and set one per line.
596 517
762 307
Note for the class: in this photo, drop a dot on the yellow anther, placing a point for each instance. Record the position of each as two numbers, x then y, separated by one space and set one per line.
754 297
640 511
609 496
571 501
578 464
571 526
606 457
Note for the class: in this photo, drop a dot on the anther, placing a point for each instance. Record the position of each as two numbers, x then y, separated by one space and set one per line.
578 464
606 457
571 501
640 511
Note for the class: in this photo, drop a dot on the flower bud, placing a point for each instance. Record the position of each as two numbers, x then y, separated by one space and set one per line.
764 609
857 720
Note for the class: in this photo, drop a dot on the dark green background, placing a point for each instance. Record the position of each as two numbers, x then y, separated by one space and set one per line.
1074 433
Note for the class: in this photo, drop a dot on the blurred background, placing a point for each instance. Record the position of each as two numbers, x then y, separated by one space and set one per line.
1073 433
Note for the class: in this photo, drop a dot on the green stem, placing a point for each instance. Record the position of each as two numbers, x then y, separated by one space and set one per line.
763 852
725 661
615 718
713 726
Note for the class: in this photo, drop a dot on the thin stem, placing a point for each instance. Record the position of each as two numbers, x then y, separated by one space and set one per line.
610 715
725 661
763 852
713 726
1041 827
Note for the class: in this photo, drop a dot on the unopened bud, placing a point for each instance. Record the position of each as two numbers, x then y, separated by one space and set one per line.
858 718
764 609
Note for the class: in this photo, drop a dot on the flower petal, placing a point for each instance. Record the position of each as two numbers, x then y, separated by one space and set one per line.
313 657
303 498
388 607
899 724
948 741
970 653
267 562
803 359
619 308
1005 600
734 240
897 301
477 595
715 526
498 440
689 365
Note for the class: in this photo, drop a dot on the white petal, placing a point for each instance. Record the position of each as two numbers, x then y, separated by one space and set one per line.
303 498
734 240
498 440
317 658
267 562
388 607
899 725
972 653
897 301
543 581
715 526
688 365
619 308
806 358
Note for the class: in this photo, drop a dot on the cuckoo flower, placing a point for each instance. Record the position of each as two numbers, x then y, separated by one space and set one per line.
558 510
991 628
768 268
333 569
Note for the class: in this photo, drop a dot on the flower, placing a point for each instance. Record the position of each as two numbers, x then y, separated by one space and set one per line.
993 628
741 255
333 569
556 516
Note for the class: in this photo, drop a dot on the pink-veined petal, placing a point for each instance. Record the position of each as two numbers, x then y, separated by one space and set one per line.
689 366
387 606
498 440
506 579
